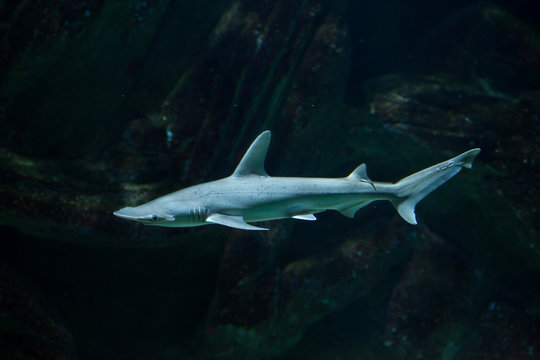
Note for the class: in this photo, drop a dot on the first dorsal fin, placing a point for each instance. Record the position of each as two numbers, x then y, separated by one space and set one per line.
360 174
253 161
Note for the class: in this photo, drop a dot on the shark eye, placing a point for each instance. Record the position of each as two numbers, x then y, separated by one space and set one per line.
154 217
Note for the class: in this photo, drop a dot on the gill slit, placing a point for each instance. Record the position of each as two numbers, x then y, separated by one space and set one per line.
197 215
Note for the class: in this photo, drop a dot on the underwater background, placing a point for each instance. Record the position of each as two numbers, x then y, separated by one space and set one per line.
105 104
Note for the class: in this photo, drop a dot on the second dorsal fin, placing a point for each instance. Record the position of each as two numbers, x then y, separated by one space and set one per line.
253 161
360 174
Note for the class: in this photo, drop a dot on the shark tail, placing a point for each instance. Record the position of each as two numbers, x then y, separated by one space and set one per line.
410 190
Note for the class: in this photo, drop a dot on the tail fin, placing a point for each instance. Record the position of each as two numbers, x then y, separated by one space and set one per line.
413 188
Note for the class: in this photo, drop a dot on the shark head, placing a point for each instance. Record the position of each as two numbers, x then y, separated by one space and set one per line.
145 214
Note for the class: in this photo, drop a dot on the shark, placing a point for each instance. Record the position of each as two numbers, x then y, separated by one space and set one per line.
250 195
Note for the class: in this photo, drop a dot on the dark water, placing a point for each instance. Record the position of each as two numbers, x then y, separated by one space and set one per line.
109 104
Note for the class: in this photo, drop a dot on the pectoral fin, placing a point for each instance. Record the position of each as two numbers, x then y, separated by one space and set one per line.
232 221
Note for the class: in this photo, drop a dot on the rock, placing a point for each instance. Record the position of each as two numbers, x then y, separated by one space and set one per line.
445 114
70 71
485 45
27 331
459 107
506 330
263 309
74 201
281 53
285 65
431 307
266 64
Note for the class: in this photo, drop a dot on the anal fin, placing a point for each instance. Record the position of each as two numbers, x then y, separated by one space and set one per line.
236 222
351 210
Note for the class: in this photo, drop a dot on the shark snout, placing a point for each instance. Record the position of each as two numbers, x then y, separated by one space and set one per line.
125 213
144 214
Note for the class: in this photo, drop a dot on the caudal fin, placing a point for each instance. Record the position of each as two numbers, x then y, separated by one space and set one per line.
410 190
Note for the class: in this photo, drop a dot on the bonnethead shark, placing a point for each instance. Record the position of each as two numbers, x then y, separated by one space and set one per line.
251 195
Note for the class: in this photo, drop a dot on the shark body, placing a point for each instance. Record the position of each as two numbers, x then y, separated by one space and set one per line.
251 195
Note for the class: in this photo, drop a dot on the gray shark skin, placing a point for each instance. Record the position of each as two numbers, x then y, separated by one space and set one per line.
251 195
